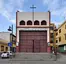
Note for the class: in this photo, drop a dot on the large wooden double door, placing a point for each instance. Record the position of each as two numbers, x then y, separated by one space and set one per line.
36 46
33 41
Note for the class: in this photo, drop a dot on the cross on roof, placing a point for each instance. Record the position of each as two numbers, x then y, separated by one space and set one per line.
33 7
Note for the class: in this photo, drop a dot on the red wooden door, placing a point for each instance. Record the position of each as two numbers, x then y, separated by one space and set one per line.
36 45
33 41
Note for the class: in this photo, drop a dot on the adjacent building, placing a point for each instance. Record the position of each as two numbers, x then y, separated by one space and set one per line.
32 32
52 35
13 40
61 37
3 45
5 38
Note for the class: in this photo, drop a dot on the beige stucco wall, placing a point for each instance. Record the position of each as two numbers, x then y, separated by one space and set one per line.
5 36
37 16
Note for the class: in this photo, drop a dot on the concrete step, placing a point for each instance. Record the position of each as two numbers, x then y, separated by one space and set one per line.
32 56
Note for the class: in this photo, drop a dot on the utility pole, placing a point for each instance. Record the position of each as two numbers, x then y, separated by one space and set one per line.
33 7
12 38
11 29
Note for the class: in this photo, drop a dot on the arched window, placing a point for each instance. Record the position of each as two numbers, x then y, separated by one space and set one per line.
29 22
22 22
43 22
36 22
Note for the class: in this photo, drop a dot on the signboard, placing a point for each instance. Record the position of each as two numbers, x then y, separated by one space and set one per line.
17 44
64 47
9 44
48 44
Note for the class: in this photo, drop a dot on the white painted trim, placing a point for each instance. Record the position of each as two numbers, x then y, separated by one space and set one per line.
33 29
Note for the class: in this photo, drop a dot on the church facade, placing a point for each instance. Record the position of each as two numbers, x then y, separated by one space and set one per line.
32 33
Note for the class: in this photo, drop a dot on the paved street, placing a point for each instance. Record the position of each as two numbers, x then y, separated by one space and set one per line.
36 59
7 61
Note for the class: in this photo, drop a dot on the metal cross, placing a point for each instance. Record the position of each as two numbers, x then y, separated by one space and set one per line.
33 7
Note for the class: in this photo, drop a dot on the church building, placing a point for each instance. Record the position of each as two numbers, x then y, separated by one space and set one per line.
32 31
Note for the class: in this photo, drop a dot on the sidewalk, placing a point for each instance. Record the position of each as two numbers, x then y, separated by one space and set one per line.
62 58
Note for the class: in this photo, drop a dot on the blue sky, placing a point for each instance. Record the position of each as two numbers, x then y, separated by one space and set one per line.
8 10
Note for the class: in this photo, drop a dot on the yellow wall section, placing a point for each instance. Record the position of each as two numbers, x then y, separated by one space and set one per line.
63 31
5 45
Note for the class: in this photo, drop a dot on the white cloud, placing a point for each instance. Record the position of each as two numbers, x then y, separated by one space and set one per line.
13 21
1 4
46 1
57 7
6 14
57 23
8 8
52 4
59 12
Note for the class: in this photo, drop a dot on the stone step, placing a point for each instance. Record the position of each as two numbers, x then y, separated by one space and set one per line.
32 56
